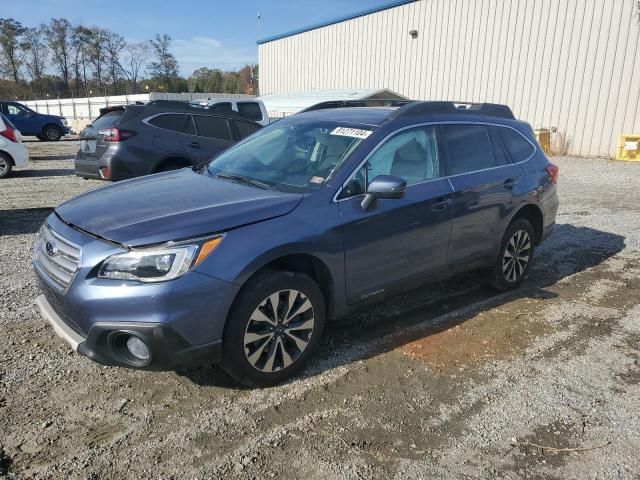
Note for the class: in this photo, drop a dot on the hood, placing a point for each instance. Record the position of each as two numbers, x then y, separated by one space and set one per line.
50 117
172 206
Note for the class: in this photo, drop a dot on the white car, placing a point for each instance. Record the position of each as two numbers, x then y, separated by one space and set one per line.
247 108
13 153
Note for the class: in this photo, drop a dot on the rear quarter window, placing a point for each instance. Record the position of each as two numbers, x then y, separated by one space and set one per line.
518 147
245 128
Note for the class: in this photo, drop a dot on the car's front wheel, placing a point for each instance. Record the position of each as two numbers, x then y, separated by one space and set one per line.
51 133
274 327
515 256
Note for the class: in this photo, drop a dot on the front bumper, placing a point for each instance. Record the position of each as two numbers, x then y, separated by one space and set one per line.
181 321
168 349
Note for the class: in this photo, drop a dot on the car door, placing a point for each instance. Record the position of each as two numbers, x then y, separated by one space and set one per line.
21 118
399 239
483 178
213 136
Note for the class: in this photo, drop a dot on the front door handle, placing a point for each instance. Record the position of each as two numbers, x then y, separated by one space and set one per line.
441 204
194 145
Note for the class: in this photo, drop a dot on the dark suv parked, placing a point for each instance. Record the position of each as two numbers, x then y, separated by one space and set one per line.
241 261
141 139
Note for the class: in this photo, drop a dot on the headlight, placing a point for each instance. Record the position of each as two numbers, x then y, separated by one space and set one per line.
65 122
157 264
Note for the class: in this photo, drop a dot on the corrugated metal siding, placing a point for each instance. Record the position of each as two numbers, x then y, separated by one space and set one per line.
572 64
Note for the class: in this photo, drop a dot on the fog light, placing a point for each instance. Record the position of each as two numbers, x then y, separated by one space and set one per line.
137 348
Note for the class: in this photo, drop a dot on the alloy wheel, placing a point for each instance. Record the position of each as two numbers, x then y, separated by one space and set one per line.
4 166
52 134
516 256
279 331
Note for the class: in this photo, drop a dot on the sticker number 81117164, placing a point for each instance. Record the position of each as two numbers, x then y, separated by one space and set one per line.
351 132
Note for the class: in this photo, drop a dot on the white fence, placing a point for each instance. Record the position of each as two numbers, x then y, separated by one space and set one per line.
80 111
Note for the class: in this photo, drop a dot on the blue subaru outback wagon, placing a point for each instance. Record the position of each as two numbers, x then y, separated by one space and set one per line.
241 261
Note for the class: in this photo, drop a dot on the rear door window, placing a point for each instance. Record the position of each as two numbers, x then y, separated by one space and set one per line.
500 155
517 146
250 110
212 127
189 126
169 121
468 148
245 128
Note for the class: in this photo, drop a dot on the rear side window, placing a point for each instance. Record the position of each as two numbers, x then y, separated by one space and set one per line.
468 148
517 146
189 127
250 110
108 119
171 121
245 128
222 107
500 155
212 127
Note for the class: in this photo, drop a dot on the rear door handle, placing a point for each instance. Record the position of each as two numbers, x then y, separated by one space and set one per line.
441 204
194 145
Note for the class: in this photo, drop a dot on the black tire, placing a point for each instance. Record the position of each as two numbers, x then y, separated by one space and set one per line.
518 243
51 133
6 164
253 300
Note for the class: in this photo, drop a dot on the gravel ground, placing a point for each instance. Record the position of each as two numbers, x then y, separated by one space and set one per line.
450 381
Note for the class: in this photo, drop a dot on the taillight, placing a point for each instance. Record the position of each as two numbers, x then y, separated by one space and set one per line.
553 172
115 134
10 134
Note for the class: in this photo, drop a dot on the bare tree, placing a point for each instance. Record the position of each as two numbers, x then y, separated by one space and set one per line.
80 39
97 52
114 45
59 38
11 53
165 66
36 53
134 58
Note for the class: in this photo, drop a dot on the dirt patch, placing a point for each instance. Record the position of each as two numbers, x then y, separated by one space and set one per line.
488 335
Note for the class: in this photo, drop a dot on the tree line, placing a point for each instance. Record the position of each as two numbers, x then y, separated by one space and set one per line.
60 59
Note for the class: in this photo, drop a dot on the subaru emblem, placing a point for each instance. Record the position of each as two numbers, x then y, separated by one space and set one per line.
51 249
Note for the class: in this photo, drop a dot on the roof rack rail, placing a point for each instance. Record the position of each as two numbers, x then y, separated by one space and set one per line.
487 109
373 102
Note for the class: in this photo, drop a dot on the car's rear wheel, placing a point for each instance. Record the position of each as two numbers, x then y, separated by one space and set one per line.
51 133
514 259
274 327
5 165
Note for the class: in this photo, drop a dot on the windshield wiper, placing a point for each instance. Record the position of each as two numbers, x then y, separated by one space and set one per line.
246 180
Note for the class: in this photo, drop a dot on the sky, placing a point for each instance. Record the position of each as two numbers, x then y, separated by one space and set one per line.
206 33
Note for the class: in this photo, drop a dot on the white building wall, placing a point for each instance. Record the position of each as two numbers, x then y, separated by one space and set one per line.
572 64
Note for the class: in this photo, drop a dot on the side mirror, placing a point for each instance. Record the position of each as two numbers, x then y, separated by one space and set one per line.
384 186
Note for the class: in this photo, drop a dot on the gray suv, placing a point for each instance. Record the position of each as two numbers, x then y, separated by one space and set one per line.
141 139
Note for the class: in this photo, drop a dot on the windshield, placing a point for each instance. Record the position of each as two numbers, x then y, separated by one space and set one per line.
292 158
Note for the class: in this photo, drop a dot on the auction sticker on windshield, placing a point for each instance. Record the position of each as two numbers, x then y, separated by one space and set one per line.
351 132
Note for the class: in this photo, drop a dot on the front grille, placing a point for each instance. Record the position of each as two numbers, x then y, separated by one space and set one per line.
56 258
